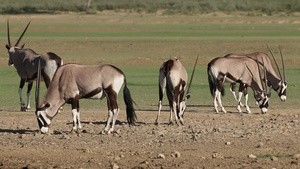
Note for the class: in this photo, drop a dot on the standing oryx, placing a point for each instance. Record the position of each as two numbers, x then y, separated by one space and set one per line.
26 60
173 77
72 82
274 80
232 70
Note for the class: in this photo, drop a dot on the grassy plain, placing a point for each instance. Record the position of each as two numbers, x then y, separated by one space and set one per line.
138 44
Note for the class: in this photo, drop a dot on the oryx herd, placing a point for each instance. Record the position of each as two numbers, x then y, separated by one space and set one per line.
70 82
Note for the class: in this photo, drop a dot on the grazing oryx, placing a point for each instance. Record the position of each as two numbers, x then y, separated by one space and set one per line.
173 77
274 80
26 60
72 82
232 70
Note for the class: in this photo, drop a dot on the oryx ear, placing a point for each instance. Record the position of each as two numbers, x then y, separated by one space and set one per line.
22 46
7 46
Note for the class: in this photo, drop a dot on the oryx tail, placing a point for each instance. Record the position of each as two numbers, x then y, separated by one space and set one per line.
212 81
131 116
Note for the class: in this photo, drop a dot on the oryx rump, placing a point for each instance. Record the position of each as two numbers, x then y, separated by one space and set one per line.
236 70
173 77
26 61
72 82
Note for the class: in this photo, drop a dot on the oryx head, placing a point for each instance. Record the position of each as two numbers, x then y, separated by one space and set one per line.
11 49
188 93
43 119
282 85
263 97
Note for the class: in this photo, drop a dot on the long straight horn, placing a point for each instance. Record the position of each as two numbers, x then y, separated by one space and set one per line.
275 61
8 35
283 67
265 74
22 34
37 88
260 76
190 84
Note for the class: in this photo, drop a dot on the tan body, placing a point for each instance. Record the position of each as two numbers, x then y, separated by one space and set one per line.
26 63
173 77
73 82
236 70
273 79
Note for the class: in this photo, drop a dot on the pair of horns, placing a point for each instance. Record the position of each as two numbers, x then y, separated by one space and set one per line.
283 67
190 84
265 87
8 35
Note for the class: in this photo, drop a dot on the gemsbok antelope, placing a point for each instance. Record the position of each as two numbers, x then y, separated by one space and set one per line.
25 61
275 81
173 77
72 82
237 70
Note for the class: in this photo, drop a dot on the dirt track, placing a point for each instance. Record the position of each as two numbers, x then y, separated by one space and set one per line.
207 140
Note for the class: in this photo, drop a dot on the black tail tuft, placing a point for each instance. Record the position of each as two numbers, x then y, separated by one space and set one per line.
211 81
131 116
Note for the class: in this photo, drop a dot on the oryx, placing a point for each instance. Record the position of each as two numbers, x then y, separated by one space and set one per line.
237 70
277 82
173 77
72 82
25 61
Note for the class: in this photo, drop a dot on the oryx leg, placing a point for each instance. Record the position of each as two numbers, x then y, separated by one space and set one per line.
175 104
162 87
76 116
241 90
22 83
180 113
232 90
220 81
246 101
113 111
29 87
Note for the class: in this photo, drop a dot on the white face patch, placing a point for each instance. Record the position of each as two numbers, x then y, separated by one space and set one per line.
41 115
264 110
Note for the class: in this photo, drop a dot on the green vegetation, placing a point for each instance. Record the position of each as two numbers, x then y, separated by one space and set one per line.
251 7
277 155
139 45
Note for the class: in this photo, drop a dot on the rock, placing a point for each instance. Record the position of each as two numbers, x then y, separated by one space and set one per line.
175 154
228 143
114 166
161 156
251 156
260 145
273 158
296 156
217 155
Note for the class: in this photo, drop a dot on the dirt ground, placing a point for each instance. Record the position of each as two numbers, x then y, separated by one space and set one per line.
207 140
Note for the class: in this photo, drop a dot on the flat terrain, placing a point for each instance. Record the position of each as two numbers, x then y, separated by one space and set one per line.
138 44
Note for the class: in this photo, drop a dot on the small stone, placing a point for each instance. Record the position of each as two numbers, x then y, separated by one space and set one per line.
175 154
145 162
114 166
273 158
251 156
228 143
217 155
260 145
117 158
297 156
161 156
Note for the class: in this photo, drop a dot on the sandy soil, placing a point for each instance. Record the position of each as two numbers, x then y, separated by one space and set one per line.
207 140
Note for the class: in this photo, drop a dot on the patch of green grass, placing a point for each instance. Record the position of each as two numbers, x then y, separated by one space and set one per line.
277 155
139 48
